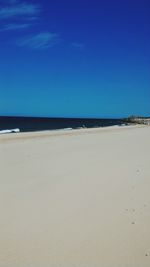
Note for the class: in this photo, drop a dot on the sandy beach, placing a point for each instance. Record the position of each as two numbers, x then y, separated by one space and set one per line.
76 198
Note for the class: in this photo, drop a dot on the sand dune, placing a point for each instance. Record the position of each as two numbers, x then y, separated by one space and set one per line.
75 199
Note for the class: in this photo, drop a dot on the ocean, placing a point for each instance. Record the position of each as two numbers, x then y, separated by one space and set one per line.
31 124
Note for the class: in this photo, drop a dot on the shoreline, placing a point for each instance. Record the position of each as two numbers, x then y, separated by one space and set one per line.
59 132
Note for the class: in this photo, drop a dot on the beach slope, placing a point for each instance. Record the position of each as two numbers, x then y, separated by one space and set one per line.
75 198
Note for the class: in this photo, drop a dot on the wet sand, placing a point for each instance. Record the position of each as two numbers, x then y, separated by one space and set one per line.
75 198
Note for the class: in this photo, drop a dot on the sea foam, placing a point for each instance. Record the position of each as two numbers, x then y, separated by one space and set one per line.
10 131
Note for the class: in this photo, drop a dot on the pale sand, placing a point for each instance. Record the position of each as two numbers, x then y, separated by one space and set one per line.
75 199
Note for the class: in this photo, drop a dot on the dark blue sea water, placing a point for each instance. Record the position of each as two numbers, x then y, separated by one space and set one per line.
28 124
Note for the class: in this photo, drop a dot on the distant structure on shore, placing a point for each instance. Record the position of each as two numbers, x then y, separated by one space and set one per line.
138 120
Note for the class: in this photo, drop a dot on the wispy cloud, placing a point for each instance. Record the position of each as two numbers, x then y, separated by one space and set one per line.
40 41
16 9
15 26
20 15
23 13
78 45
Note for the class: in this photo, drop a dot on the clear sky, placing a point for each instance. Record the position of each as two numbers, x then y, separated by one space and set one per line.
75 58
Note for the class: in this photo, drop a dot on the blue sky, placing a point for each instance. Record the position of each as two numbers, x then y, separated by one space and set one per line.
74 58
